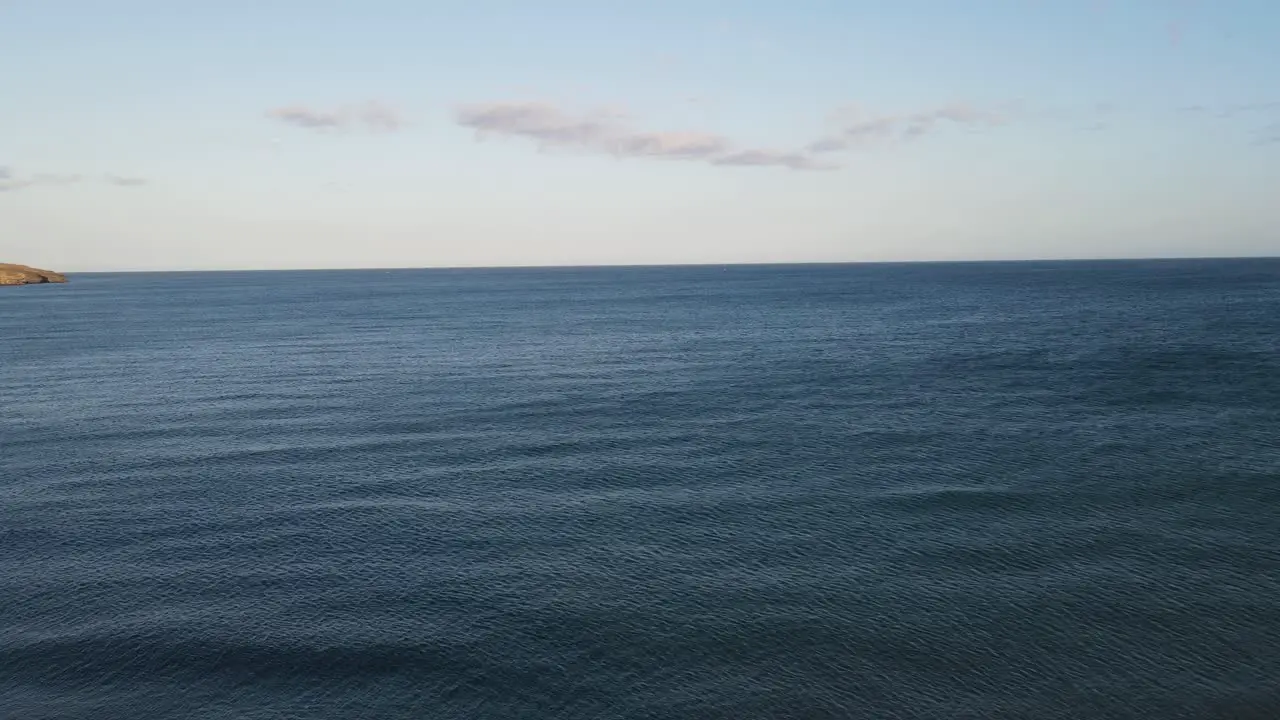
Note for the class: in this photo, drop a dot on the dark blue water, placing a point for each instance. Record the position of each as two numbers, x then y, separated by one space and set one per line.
916 491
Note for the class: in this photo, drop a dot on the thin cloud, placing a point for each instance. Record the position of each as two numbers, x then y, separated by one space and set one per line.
857 126
863 128
774 158
604 132
874 128
1230 110
381 117
306 117
827 145
1268 135
536 121
369 116
10 181
121 181
680 145
1243 108
55 179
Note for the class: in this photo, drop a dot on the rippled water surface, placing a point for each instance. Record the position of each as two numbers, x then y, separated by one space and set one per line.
916 491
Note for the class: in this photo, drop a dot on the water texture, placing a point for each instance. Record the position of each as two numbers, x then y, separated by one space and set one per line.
1024 490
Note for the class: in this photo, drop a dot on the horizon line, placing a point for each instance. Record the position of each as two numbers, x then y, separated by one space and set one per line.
588 266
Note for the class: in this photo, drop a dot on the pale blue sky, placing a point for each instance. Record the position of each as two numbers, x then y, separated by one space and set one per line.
153 134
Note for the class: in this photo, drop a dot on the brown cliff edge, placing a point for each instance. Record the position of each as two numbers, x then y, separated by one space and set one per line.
23 275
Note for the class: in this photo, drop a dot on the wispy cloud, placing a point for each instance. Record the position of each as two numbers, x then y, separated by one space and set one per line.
370 116
861 127
11 181
605 132
1230 110
1266 135
541 122
1256 106
686 145
55 179
1095 119
777 158
1269 135
122 181
827 145
551 127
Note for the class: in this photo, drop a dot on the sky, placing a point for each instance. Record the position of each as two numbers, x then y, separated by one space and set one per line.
247 134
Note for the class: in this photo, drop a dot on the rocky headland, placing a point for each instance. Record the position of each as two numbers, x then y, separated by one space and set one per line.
23 275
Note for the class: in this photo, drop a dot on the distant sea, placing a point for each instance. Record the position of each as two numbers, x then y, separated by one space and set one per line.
993 490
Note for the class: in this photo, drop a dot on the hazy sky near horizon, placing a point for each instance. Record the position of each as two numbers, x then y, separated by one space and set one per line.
151 134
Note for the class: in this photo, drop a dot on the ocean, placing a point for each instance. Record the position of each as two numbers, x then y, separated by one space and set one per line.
970 490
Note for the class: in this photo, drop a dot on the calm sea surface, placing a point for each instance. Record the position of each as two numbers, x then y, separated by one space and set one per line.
1023 491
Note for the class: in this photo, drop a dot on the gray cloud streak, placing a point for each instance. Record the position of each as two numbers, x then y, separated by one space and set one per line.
680 145
121 181
776 158
1266 135
55 179
603 132
371 116
863 128
827 145
11 182
536 121
1229 111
